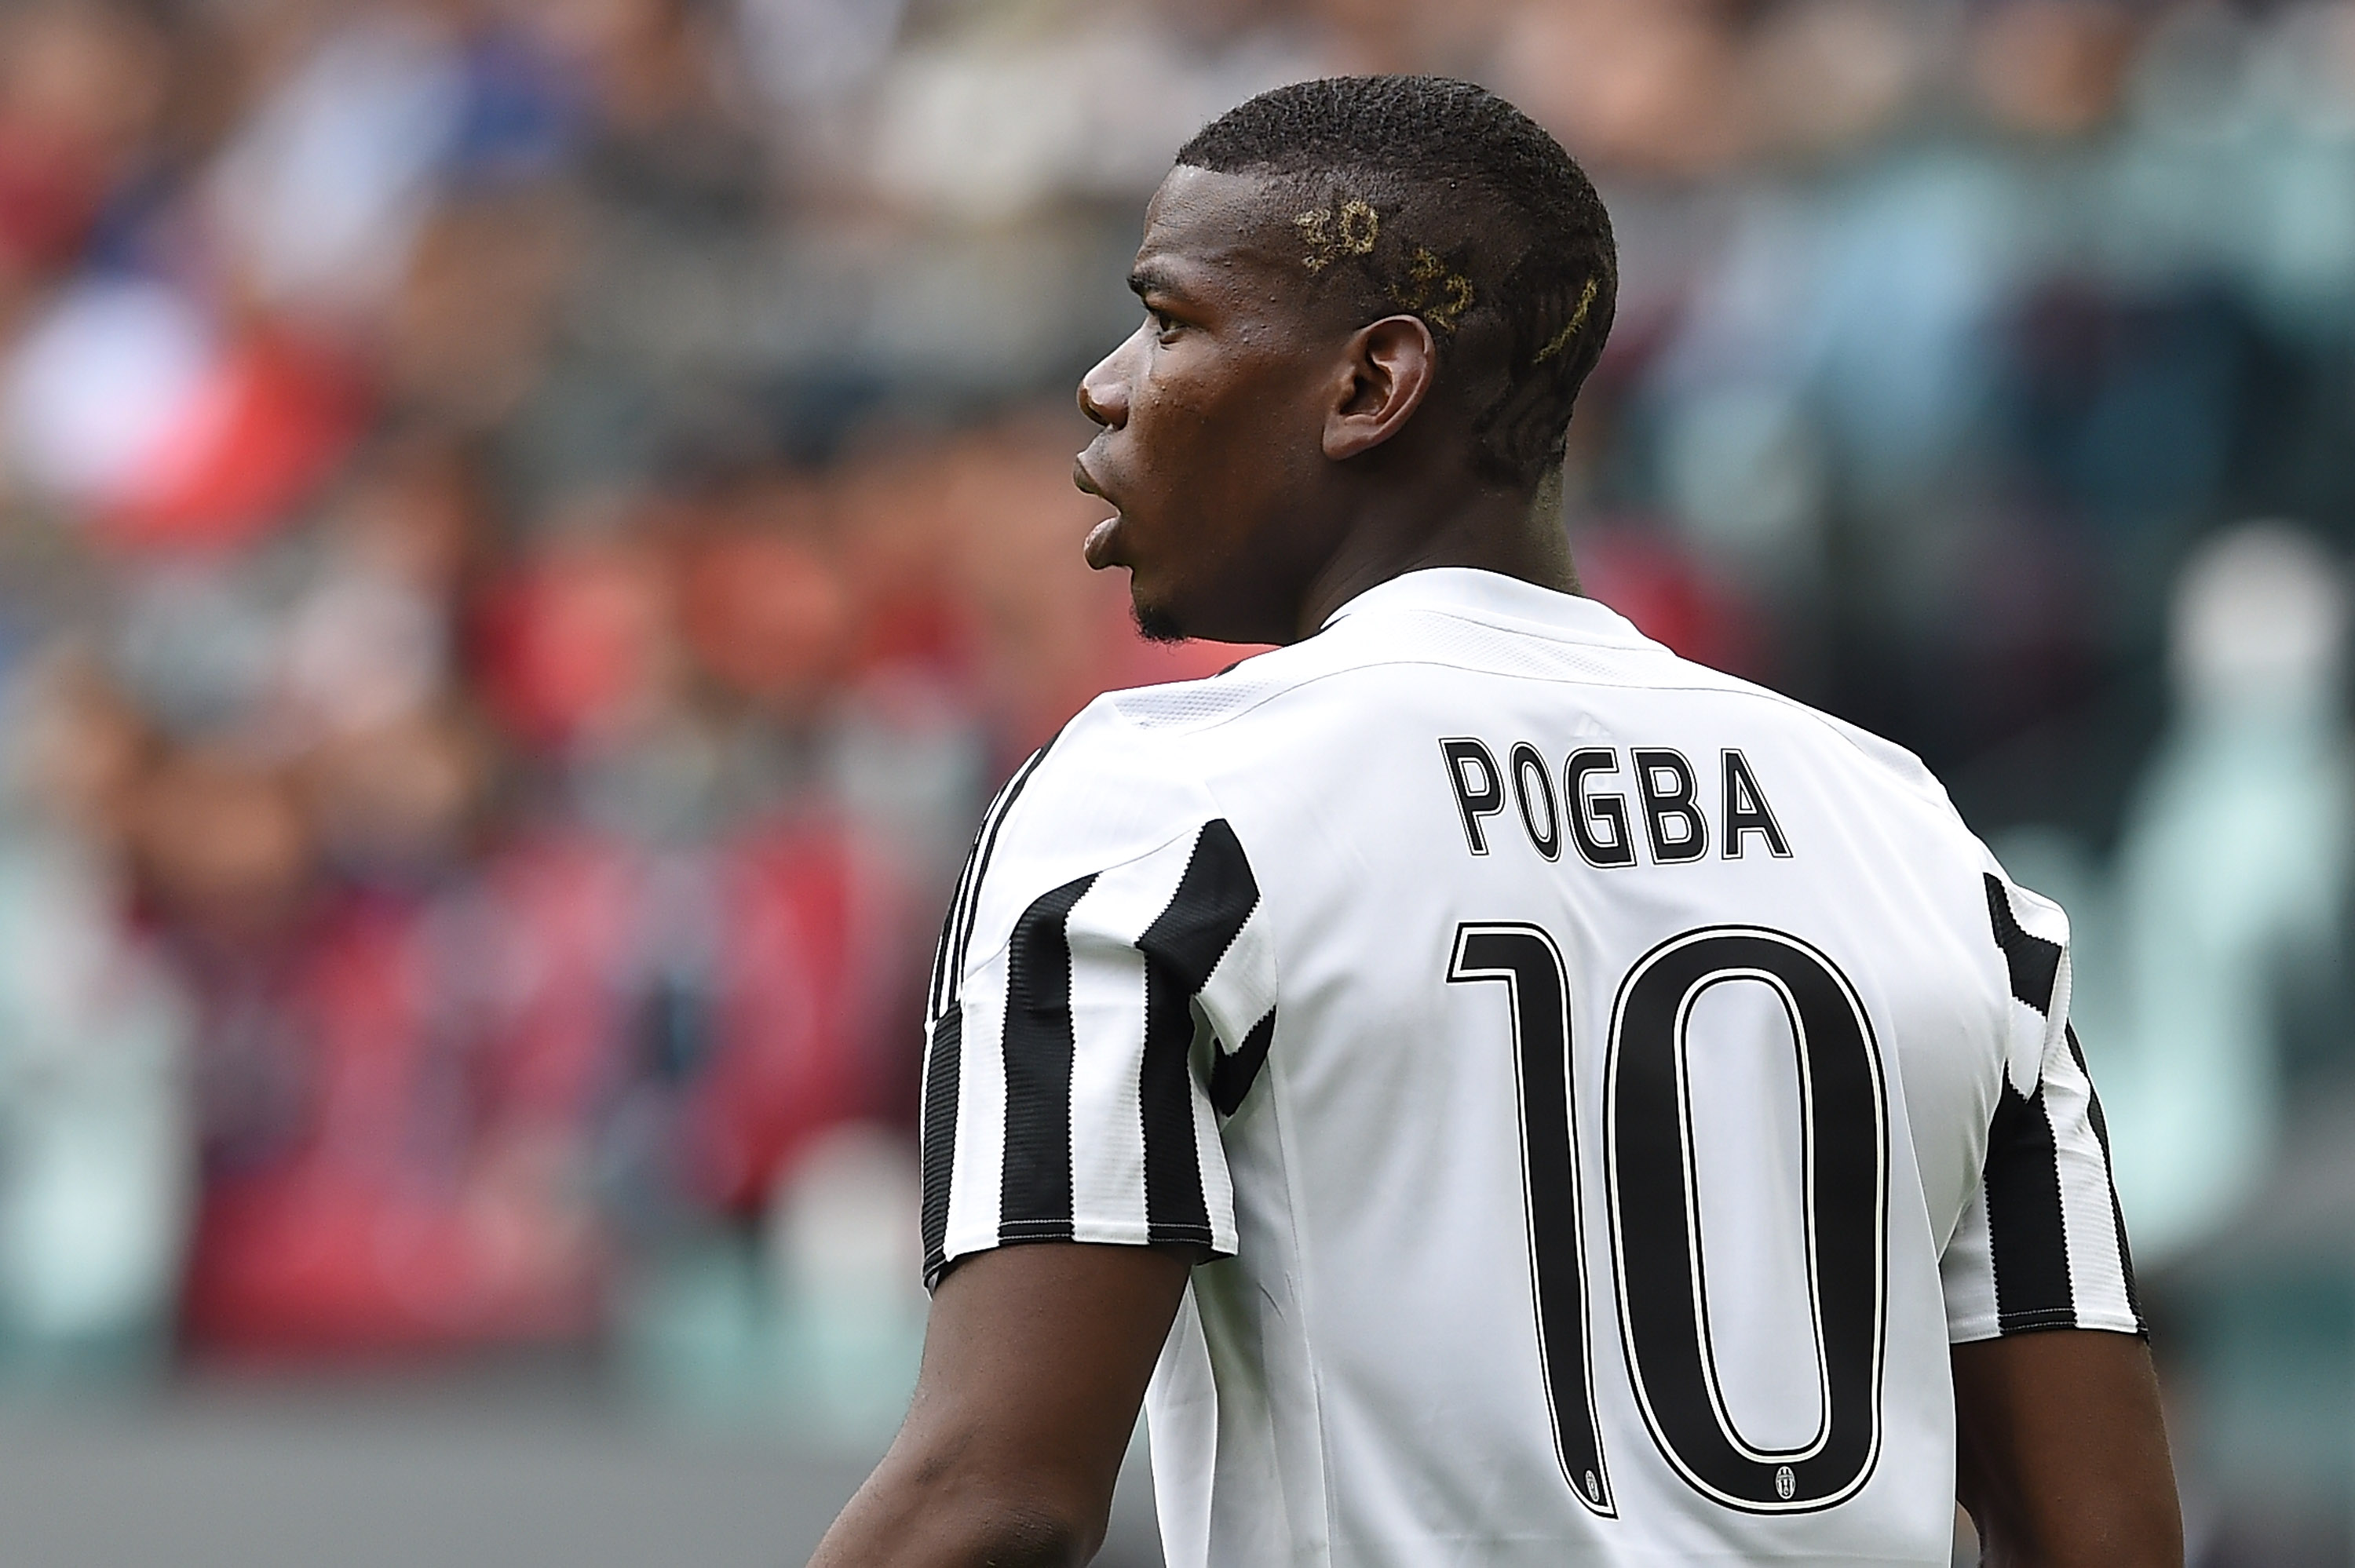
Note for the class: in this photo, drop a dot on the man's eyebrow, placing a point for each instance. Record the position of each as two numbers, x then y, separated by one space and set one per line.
1153 280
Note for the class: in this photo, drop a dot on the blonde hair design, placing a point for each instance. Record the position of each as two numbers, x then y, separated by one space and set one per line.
1434 291
1577 318
1350 230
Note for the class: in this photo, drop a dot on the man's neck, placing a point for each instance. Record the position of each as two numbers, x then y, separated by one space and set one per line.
1495 531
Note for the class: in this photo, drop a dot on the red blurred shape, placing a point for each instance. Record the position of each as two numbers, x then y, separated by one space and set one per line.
271 425
434 1194
765 615
410 1214
1140 663
923 628
49 191
1652 579
568 916
570 644
328 1261
803 949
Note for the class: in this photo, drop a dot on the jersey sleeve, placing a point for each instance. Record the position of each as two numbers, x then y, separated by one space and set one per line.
2042 1242
1103 994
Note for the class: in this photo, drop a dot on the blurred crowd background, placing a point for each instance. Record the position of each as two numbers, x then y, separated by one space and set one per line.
529 528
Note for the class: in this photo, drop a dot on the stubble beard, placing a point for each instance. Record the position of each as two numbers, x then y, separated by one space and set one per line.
1154 623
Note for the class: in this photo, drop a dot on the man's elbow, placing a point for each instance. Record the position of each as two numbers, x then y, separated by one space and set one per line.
951 1516
1010 1534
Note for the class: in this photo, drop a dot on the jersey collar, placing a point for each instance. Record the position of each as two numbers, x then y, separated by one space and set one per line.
1496 599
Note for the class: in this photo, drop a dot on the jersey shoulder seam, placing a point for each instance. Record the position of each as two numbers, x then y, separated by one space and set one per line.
1258 872
1201 787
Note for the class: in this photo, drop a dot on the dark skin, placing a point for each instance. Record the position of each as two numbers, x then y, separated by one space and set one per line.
1269 462
2061 1456
1036 1359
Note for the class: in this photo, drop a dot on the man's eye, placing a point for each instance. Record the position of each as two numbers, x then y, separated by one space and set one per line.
1163 323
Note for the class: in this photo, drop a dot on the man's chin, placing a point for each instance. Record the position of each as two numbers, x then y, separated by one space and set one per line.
1155 624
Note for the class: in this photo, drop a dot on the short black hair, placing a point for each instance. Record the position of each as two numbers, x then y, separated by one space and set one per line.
1436 198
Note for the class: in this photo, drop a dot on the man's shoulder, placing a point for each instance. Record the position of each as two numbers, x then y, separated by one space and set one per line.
1165 749
1130 773
1184 712
1105 790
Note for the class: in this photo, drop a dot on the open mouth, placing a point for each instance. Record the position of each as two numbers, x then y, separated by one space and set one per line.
1099 540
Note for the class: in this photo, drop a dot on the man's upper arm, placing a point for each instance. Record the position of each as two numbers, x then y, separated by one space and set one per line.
1103 994
1036 1359
2042 1242
1072 1091
2061 1452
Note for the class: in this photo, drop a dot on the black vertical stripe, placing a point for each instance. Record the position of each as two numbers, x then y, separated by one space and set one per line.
969 897
955 925
1182 946
936 998
2026 1234
1035 1197
1175 1207
1213 899
968 879
2034 963
942 1072
1231 1077
2102 1136
944 990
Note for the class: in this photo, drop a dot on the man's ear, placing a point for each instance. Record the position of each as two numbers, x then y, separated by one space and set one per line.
1389 367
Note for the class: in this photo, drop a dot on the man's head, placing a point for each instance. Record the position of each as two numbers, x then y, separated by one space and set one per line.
1363 294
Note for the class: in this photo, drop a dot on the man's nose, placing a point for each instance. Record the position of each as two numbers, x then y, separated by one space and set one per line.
1104 391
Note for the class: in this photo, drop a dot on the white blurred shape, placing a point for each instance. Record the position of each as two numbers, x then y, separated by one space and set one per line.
848 1254
2259 617
323 192
361 652
847 1219
2232 870
987 128
95 1189
804 51
1745 471
99 383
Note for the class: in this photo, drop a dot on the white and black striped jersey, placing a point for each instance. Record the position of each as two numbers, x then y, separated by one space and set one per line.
1600 1090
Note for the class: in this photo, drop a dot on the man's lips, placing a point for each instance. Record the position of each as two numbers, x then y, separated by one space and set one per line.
1099 540
1098 547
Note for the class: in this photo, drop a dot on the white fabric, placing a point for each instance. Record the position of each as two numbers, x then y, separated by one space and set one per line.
1364 1380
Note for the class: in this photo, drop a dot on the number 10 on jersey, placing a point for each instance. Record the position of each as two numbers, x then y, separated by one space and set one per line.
1658 1261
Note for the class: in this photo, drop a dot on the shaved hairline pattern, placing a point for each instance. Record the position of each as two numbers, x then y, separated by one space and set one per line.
1435 198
